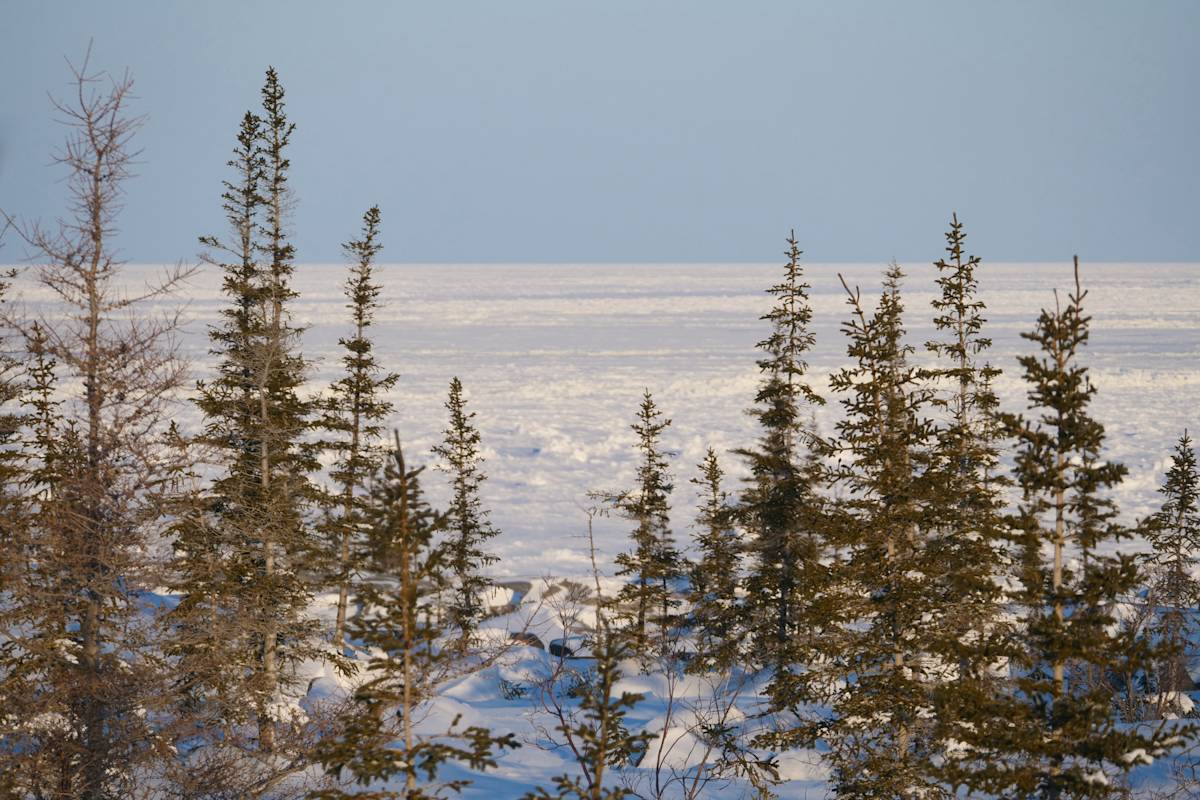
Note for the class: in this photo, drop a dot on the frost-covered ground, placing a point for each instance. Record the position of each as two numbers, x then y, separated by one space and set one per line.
554 358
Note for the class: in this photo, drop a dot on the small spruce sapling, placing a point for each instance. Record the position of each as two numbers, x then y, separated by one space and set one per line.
379 743
1174 591
467 527
654 563
596 734
716 614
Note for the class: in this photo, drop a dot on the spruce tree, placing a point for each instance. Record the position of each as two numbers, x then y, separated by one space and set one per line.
14 416
283 540
715 577
37 657
1060 737
967 539
30 429
781 507
378 742
654 563
788 609
1174 591
468 528
205 627
209 660
354 411
255 418
878 734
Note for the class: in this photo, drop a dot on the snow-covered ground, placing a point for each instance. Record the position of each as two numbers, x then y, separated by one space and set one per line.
513 693
554 358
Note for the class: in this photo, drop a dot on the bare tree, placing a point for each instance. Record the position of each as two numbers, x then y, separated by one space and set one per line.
704 739
592 730
85 649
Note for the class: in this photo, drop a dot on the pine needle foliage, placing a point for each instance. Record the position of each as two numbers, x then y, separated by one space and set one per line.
969 537
654 564
879 731
1173 591
716 612
378 745
255 419
354 411
1061 738
15 415
31 466
781 509
212 665
468 529
1174 531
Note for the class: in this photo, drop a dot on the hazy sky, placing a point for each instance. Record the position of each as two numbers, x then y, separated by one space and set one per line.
645 130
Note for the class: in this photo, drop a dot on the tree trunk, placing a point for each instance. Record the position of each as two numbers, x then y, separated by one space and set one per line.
94 713
270 671
1060 535
410 625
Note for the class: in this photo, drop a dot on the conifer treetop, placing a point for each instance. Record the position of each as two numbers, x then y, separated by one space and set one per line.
1061 390
790 338
275 139
357 405
959 309
462 460
1174 531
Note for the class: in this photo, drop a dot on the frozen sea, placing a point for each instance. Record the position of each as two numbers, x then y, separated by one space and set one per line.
554 359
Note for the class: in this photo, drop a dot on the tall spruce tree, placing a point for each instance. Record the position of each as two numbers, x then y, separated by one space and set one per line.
968 537
654 563
789 607
255 418
878 734
781 507
354 411
1061 738
1174 591
204 632
378 743
468 527
716 613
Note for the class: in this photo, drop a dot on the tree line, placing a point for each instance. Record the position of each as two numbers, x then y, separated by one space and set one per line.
933 623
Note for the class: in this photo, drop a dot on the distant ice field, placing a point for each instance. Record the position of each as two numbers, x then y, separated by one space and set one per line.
554 358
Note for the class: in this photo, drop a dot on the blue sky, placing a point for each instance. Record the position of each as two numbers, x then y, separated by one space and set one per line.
648 130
